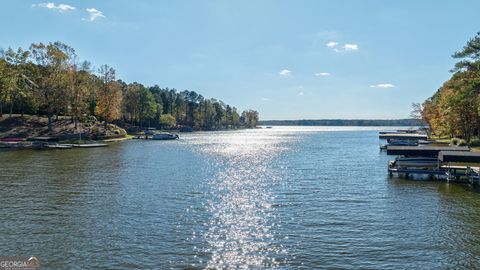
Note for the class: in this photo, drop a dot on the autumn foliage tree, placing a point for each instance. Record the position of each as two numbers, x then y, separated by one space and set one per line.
109 95
454 110
50 65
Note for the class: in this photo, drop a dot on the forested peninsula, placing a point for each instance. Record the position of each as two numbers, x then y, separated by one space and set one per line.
454 109
48 81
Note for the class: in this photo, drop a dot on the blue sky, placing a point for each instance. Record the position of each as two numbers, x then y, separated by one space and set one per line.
286 59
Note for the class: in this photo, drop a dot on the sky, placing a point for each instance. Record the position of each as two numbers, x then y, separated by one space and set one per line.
286 59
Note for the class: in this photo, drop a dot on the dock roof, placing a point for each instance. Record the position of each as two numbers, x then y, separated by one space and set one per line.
423 151
455 156
405 136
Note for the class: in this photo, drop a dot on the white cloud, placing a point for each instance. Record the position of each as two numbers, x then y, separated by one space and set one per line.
383 85
285 72
332 44
265 99
346 47
94 14
350 47
300 93
52 6
322 74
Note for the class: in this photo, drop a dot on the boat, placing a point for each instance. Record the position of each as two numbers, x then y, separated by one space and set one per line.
89 145
149 131
59 146
12 139
64 146
415 162
164 136
399 142
410 130
269 127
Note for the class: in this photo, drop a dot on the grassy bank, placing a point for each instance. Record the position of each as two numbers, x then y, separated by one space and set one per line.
474 144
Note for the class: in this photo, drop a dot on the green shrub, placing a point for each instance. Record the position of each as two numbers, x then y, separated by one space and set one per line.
475 142
461 142
454 141
111 127
95 129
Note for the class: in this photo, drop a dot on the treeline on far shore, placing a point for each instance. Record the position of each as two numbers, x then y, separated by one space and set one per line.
49 79
454 109
343 122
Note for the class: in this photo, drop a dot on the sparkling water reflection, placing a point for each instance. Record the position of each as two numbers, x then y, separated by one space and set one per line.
240 233
281 198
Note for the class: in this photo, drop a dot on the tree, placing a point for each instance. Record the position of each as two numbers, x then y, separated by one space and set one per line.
16 84
157 97
454 110
470 55
51 62
3 78
167 121
235 118
416 112
109 95
78 84
132 102
250 118
140 104
148 107
218 114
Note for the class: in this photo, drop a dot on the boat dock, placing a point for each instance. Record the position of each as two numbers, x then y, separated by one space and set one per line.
456 174
403 136
450 163
423 151
410 171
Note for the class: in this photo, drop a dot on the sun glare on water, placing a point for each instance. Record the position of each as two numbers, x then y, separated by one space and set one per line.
240 232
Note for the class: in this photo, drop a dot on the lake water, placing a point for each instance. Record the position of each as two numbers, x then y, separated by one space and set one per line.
280 198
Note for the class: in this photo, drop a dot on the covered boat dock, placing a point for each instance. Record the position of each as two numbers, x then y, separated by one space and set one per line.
423 151
466 167
448 159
